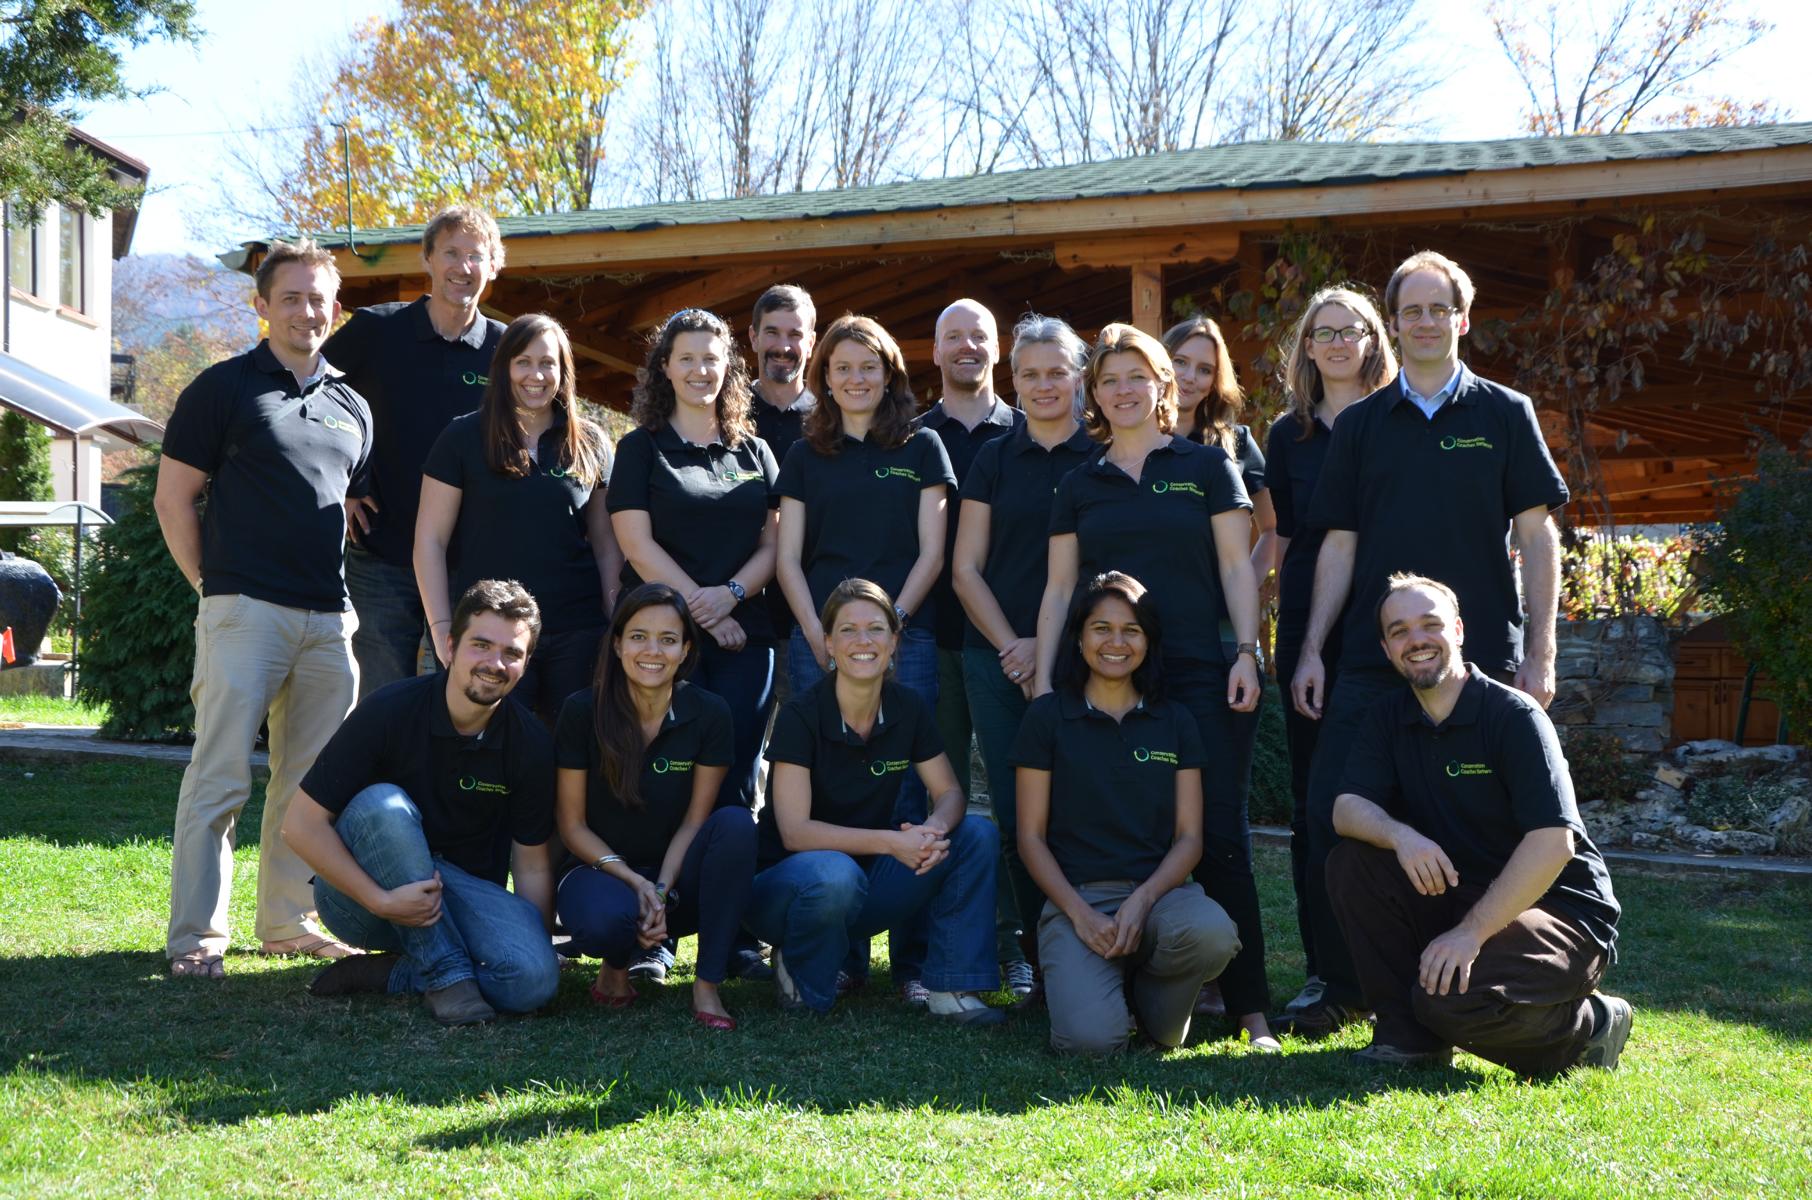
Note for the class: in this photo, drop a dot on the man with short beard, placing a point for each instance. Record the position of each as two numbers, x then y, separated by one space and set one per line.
1478 912
406 815
782 333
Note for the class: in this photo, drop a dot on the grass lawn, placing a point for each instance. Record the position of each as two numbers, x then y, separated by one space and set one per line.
49 710
117 1081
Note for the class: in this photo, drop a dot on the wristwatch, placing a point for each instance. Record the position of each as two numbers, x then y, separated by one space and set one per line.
1258 656
901 613
736 589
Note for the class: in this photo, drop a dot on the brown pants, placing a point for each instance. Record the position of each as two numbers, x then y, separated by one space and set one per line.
1525 1006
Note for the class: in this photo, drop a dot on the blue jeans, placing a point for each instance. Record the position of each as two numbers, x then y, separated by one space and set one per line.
604 916
745 680
388 640
813 904
484 932
996 706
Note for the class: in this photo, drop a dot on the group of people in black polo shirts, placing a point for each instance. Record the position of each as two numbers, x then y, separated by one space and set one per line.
1073 583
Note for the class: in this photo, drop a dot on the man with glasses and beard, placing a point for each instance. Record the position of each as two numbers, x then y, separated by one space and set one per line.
1478 912
436 791
782 333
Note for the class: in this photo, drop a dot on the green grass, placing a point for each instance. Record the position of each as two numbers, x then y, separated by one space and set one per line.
117 1081
50 710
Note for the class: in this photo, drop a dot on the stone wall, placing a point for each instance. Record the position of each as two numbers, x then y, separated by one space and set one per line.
1615 675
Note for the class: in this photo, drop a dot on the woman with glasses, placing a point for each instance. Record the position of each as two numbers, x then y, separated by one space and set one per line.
1337 353
692 500
1174 515
516 491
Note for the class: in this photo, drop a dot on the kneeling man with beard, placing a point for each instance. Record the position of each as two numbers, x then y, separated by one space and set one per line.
1478 912
434 792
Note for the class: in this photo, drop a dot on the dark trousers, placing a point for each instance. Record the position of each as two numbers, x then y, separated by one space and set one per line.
996 705
1525 1006
1225 872
1300 736
563 663
602 914
1343 712
745 680
387 643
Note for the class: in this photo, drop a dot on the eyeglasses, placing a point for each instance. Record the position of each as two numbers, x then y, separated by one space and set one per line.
1411 313
1323 335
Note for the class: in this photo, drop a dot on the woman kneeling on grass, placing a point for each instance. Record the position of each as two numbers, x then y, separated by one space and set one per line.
836 864
641 756
1110 826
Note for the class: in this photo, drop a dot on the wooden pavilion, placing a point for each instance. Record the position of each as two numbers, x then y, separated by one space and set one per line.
1108 241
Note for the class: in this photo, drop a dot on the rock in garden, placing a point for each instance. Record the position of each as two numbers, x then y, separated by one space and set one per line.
28 600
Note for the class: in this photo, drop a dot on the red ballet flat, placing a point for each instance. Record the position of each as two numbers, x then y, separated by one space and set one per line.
606 1000
714 1021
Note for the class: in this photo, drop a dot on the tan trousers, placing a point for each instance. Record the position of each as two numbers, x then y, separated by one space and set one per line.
1188 938
253 658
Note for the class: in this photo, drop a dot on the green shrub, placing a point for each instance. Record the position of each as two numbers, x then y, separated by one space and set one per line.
1601 577
1734 801
1754 565
1600 767
139 618
1271 800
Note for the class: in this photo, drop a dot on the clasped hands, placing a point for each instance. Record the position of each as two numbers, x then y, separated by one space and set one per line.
920 847
1118 935
711 608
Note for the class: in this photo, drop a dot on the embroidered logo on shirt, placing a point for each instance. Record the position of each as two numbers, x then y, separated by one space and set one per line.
471 783
678 766
887 766
1160 486
1158 756
1456 768
897 472
341 426
1471 443
474 379
734 476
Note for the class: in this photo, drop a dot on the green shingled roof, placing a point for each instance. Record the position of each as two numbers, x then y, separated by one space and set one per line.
1249 165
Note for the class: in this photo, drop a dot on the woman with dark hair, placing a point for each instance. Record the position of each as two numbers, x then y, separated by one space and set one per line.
863 497
641 755
516 491
999 565
836 864
1110 825
1339 352
693 500
1174 515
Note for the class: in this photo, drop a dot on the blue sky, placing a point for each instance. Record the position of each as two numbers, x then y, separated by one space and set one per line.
242 72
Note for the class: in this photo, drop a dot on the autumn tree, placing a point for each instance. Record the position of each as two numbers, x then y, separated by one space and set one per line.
1586 70
492 102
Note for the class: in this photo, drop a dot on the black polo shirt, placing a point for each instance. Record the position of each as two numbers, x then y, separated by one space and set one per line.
696 733
862 511
1292 468
1435 496
1160 531
416 381
1246 455
275 523
780 427
707 506
1113 783
530 529
476 794
1476 783
961 444
1017 479
854 783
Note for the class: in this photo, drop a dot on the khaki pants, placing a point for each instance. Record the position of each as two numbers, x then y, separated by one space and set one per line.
1188 938
252 659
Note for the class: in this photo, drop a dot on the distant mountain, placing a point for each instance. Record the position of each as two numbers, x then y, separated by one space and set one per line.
154 294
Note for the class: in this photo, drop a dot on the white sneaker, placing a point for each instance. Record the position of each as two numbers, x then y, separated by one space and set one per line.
1313 989
962 1008
915 993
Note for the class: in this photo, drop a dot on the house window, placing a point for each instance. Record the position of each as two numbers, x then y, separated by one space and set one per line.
22 252
72 258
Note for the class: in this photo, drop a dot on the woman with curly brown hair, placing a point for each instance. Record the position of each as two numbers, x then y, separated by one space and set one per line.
516 491
692 500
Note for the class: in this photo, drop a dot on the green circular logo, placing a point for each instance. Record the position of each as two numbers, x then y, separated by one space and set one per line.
877 769
880 472
1160 486
1453 770
470 378
467 782
1141 755
661 766
558 472
1449 442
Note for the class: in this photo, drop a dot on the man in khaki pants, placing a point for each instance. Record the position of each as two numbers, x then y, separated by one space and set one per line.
273 437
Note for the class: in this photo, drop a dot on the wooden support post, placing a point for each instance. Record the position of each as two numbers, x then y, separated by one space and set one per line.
1148 297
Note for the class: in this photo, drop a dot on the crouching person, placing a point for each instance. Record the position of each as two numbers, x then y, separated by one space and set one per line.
1478 912
405 817
1110 826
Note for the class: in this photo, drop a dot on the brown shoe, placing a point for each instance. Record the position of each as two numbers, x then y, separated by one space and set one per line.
362 974
459 1004
1319 1020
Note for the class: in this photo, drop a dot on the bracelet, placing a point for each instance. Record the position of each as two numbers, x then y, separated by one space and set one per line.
438 624
605 861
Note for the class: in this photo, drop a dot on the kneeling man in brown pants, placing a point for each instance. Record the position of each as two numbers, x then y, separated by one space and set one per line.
1478 912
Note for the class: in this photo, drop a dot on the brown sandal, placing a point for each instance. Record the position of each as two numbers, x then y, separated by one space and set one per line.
197 964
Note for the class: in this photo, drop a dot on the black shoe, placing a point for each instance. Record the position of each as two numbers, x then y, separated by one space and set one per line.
653 965
1615 1019
459 1004
1379 1054
1319 1020
358 974
747 963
